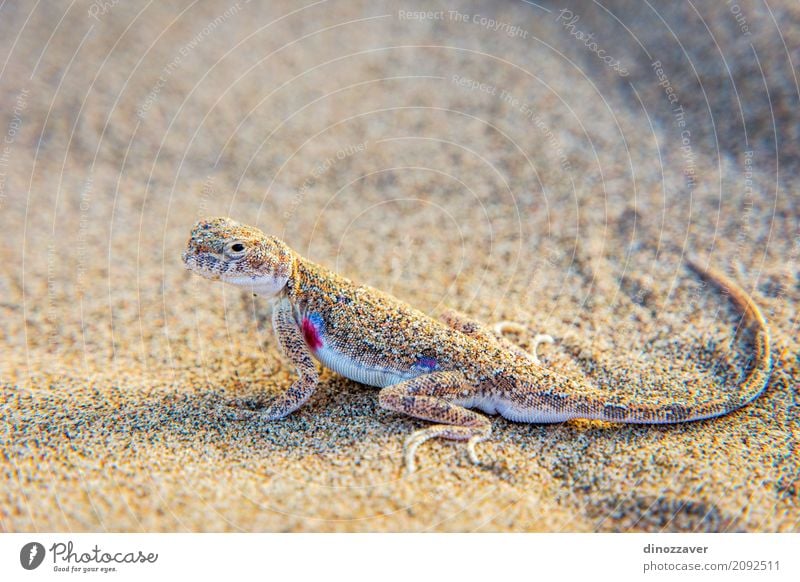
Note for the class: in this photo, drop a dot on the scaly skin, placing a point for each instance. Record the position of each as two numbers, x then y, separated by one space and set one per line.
429 369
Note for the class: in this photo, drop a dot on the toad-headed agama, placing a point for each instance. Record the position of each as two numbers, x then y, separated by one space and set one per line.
436 370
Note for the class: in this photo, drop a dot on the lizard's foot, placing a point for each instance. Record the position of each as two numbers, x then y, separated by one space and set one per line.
251 409
495 334
461 433
431 397
503 326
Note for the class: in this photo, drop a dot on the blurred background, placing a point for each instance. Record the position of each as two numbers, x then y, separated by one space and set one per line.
548 163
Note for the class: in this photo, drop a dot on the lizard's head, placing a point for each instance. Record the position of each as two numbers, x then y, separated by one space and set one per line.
221 249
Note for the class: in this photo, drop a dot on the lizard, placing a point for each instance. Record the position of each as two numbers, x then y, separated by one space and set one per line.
438 370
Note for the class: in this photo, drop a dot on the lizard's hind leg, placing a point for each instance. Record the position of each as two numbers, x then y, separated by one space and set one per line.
432 397
540 338
460 322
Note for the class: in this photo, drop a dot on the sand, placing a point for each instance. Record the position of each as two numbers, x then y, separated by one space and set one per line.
486 159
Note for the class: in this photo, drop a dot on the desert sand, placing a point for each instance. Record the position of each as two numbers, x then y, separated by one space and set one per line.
506 159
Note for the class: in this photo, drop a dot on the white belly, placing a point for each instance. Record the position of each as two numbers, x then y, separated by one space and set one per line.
350 368
491 404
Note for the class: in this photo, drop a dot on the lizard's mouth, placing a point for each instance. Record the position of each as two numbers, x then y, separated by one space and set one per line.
206 265
214 266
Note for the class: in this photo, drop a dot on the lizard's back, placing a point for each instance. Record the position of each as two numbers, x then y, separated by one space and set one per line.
374 338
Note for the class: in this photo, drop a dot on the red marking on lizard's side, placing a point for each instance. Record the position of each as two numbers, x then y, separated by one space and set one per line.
311 334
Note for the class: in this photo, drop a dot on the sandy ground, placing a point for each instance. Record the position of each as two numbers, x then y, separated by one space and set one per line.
486 159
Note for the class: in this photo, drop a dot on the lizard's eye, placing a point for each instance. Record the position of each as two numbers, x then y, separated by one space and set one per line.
234 249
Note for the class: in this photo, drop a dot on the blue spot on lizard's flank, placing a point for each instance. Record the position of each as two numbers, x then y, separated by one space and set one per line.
427 363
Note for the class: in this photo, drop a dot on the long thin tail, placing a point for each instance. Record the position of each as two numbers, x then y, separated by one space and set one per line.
746 392
565 397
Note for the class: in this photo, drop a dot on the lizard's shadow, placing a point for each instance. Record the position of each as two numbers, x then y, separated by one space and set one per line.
339 414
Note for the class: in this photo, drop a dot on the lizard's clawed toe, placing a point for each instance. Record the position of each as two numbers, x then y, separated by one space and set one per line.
410 450
541 338
473 456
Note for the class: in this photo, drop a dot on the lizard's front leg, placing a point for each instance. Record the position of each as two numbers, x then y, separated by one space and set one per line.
432 397
293 346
